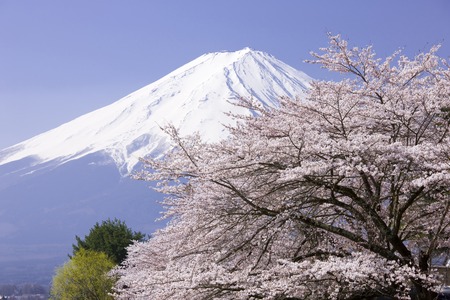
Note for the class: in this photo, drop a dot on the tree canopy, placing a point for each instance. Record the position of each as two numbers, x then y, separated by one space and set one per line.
339 195
84 277
111 237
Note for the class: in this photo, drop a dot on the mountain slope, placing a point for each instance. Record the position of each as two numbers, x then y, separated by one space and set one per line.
60 183
193 98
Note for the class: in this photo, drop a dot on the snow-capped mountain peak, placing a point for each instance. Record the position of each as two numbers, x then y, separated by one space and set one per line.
193 98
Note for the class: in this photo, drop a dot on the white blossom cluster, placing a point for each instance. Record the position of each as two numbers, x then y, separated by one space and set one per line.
340 195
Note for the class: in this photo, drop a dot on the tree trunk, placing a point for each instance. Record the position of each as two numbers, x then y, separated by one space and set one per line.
420 292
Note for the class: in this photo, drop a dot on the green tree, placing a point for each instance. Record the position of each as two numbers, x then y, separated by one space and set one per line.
84 276
111 237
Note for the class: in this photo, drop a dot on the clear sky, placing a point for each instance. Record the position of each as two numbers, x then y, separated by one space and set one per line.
60 59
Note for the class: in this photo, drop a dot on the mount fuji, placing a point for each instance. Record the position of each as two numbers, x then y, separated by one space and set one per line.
60 183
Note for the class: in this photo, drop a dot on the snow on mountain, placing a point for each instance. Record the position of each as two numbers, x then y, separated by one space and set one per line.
193 98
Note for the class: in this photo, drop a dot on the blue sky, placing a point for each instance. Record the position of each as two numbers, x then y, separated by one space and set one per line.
60 59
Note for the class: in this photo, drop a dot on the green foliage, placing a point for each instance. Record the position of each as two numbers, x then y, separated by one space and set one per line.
84 277
110 237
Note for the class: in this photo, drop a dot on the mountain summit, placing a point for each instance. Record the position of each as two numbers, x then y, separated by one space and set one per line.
193 98
60 183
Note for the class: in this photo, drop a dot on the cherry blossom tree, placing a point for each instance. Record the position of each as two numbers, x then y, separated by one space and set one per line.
341 195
